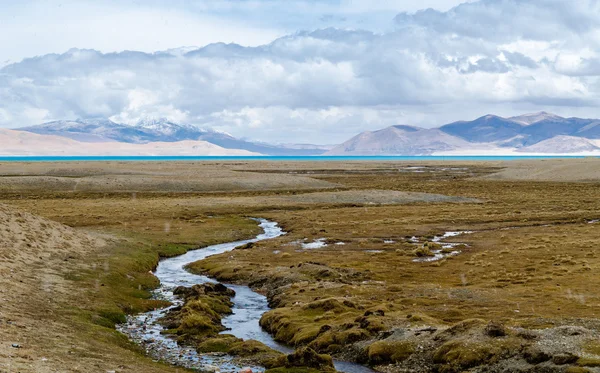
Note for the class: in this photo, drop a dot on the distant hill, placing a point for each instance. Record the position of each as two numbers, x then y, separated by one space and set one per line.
539 133
158 130
399 140
489 128
524 130
536 133
21 143
562 144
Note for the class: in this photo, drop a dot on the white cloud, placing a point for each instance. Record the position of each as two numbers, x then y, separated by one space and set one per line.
38 27
503 57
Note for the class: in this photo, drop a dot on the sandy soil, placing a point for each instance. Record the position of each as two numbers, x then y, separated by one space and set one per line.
562 170
35 252
367 197
146 176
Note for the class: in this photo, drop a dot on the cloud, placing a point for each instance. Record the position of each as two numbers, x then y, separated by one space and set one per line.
507 20
323 85
37 27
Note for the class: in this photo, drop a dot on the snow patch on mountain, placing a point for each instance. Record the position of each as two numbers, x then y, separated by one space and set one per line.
148 130
532 118
21 143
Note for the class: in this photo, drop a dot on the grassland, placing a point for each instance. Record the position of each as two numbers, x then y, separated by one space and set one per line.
525 278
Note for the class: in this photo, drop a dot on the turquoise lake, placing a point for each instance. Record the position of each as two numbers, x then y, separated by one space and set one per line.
276 158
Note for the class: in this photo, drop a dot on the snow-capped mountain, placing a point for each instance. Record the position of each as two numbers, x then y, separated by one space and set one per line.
91 130
527 119
21 143
537 133
524 130
156 130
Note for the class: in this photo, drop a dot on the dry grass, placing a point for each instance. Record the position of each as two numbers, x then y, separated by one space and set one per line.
537 273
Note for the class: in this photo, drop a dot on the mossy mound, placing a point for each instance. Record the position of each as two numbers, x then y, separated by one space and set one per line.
200 316
305 358
389 352
460 355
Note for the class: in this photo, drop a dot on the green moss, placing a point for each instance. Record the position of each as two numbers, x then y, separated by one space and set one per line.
588 362
323 342
305 335
577 370
197 324
249 348
460 355
218 344
113 315
386 352
350 336
169 250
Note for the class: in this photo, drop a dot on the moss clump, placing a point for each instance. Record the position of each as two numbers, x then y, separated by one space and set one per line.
460 328
305 358
350 336
387 352
237 347
250 348
218 344
312 324
197 324
432 245
200 316
423 252
306 335
588 362
459 355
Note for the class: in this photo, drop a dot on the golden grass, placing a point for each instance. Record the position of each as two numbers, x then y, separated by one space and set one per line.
530 261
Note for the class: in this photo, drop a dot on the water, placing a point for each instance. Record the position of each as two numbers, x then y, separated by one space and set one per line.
438 254
279 158
243 323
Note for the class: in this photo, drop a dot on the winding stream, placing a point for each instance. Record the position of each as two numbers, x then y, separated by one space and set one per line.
248 308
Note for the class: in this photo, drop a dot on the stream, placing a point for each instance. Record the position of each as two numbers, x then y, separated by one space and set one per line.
248 308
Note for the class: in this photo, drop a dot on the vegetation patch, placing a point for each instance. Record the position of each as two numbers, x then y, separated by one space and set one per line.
389 352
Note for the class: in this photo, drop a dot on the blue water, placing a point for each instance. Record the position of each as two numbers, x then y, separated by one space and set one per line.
277 158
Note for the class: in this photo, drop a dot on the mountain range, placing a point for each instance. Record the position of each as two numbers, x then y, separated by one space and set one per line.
537 133
159 130
21 143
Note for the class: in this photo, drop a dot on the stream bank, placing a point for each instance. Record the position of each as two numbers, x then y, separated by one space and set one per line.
248 308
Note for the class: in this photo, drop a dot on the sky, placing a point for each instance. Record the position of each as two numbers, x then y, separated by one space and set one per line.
297 71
